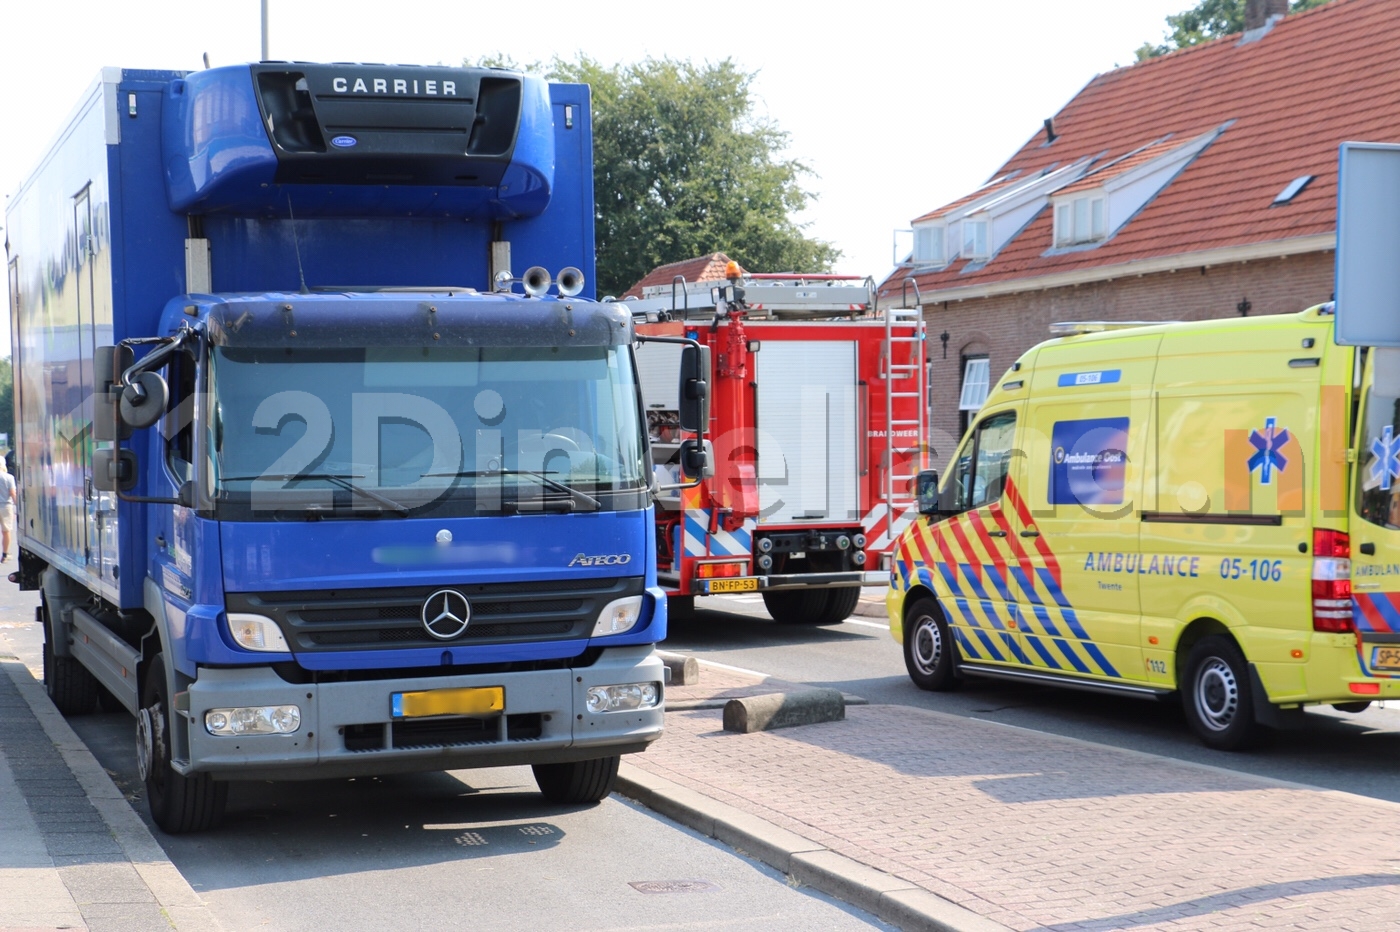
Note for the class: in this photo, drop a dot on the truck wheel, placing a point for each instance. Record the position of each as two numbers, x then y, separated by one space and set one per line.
928 647
70 686
584 781
178 803
796 606
680 607
1216 695
839 605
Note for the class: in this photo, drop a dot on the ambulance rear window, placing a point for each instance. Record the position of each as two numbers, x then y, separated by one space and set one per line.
1378 485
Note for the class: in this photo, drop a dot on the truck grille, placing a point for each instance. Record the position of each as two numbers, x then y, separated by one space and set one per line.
390 619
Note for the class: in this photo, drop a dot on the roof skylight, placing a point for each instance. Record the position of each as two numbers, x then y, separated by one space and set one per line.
1295 187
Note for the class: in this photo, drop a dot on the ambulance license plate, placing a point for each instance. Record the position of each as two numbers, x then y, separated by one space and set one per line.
733 585
1385 658
468 700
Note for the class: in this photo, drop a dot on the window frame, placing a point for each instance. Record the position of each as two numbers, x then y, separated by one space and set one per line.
952 500
935 256
1067 219
984 224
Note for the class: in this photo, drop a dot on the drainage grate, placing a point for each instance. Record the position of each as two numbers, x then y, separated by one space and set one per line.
673 886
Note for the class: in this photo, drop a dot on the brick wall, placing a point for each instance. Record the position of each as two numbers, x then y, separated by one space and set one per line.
1004 327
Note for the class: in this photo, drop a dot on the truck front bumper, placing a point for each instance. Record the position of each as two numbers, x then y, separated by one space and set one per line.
348 728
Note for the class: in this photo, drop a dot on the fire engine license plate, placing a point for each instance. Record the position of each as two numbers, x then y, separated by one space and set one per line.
1385 658
733 585
470 700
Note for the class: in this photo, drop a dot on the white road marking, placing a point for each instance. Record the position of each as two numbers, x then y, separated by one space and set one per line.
725 666
867 624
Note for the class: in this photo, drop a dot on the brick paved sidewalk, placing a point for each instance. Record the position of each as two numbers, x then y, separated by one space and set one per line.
1037 831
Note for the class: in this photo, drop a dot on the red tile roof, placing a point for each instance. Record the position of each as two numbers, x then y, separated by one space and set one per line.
700 269
1112 169
1316 79
991 187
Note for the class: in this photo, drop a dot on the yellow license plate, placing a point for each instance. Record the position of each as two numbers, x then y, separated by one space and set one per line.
470 700
1385 658
733 585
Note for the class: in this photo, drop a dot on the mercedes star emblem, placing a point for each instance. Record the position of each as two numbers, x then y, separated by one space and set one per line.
445 614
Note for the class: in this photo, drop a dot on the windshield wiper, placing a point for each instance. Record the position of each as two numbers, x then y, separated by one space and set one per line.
341 481
572 492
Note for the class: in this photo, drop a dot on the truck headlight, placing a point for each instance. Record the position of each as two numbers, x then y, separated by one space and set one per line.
256 720
618 616
256 632
623 698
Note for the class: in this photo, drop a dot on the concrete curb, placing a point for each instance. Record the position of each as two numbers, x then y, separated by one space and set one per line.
183 907
895 901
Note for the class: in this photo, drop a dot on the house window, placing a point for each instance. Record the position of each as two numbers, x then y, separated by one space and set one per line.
928 245
1080 220
974 239
974 386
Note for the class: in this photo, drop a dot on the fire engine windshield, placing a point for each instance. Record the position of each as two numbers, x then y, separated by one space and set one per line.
408 431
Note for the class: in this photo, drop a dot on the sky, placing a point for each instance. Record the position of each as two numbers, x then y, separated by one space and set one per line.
896 106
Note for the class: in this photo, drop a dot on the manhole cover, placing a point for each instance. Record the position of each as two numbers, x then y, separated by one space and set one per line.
673 886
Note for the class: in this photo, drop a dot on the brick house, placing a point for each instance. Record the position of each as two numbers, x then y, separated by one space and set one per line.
1200 184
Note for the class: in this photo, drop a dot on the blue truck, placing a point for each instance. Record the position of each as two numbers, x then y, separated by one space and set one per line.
312 482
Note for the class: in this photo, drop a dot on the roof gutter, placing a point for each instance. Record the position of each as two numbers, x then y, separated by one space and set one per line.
1274 249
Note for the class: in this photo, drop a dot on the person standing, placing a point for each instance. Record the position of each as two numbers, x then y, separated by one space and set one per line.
9 496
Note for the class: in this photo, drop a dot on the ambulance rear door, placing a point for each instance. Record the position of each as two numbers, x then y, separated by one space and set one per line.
1375 529
1086 440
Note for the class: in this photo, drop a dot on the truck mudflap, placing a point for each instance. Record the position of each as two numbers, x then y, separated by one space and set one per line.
350 728
1268 714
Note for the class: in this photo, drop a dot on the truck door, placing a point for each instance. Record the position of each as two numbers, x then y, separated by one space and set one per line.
1375 500
806 399
95 515
974 554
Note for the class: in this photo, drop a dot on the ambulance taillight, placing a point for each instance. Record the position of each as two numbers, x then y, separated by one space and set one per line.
1331 581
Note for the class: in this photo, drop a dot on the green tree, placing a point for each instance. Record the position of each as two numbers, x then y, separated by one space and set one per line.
683 167
1209 19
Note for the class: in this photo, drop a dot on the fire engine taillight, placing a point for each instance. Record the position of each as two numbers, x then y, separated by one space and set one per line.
720 570
1331 581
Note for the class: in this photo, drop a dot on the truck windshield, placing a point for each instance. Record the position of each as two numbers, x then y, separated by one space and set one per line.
395 431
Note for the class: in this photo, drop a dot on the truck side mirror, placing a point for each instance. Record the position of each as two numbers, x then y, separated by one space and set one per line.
697 459
694 388
108 363
926 492
113 470
143 402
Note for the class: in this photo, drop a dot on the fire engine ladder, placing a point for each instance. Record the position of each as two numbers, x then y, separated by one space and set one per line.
905 377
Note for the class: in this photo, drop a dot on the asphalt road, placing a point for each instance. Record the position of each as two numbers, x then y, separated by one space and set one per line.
477 850
1355 753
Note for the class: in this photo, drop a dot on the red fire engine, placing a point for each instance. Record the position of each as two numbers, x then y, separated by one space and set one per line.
817 422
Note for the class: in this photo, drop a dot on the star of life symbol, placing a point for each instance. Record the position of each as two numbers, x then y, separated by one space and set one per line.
1386 465
1267 443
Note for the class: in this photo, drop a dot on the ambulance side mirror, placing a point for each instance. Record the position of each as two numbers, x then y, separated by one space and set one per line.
694 388
926 492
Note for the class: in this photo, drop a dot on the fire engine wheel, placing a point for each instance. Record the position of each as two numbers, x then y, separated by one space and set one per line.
798 606
1216 695
178 803
583 781
928 647
839 605
72 689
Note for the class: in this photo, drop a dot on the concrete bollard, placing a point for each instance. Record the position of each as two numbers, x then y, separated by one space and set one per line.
685 670
784 710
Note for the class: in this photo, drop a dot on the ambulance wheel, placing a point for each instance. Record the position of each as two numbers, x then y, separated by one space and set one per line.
839 605
71 688
178 803
928 646
1216 695
797 606
582 781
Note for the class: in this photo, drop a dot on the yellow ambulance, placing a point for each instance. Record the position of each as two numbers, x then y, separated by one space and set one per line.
1208 509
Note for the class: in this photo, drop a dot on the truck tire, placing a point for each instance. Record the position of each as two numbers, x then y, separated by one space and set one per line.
680 607
928 646
1216 696
584 781
72 689
178 803
796 606
839 605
